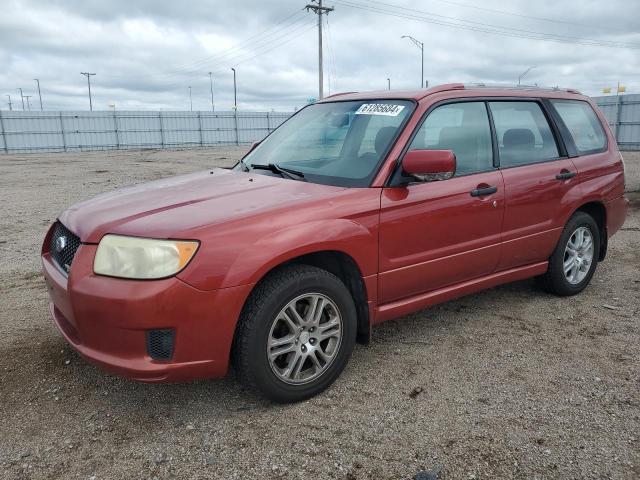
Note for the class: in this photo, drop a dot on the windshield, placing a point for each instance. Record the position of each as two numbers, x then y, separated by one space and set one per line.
338 143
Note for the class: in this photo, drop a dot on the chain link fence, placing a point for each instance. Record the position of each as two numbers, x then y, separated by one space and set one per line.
30 132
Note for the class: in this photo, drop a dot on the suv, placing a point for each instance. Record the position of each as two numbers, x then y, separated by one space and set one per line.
358 209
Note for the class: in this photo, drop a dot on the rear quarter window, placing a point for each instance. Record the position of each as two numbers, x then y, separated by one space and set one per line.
583 125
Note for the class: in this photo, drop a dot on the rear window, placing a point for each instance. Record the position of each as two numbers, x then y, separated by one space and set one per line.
583 124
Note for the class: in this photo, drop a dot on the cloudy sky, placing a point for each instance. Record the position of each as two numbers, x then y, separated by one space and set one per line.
146 53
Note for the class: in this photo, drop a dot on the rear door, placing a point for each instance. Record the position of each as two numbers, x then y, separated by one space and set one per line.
540 181
444 232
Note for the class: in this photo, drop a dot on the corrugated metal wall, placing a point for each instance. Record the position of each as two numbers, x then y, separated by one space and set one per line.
623 114
24 132
27 132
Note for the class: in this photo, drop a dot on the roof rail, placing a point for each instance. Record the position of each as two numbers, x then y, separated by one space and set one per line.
340 94
444 87
520 87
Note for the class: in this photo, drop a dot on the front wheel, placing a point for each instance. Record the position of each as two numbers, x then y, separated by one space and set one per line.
574 259
296 333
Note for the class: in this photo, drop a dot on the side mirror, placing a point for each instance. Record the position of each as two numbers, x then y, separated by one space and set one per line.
429 165
253 147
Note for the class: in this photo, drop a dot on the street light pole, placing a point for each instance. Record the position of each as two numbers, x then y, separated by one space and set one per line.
211 85
190 100
420 45
28 103
388 84
235 107
21 98
235 95
10 104
89 75
39 94
521 76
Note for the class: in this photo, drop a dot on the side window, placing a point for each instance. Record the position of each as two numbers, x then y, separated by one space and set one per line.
583 124
524 135
463 128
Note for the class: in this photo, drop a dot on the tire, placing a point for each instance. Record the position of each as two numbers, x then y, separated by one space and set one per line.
555 280
322 346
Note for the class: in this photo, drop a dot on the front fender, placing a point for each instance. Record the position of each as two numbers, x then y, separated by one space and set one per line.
343 235
243 251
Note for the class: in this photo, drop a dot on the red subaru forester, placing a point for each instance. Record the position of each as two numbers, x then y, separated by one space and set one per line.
358 209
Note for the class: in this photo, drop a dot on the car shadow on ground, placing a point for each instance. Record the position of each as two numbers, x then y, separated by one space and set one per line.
71 379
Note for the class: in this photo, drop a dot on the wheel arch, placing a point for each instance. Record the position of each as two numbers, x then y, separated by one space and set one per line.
343 266
598 212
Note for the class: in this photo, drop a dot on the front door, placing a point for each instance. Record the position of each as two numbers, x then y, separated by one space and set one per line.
441 233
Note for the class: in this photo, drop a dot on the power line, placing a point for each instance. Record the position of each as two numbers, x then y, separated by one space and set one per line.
514 14
299 33
483 24
271 45
332 58
262 36
427 17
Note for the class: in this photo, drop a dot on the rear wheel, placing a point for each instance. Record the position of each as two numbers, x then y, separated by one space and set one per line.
574 259
296 333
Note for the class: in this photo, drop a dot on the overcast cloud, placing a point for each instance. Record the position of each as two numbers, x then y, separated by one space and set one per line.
147 53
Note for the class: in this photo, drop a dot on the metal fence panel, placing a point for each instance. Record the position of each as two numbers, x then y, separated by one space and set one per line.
623 115
24 132
27 132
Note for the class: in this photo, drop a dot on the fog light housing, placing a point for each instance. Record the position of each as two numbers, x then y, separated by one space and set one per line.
160 344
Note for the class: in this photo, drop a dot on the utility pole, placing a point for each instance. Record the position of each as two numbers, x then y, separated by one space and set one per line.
420 45
10 104
190 100
89 75
388 84
319 10
21 98
211 86
39 94
28 104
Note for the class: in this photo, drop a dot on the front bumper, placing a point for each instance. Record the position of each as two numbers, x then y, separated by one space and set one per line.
107 319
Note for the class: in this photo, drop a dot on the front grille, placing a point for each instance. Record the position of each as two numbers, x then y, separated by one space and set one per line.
63 247
160 344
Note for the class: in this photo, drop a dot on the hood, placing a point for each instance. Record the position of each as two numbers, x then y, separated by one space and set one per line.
166 208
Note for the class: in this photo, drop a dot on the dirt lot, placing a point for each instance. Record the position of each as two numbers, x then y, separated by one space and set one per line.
515 383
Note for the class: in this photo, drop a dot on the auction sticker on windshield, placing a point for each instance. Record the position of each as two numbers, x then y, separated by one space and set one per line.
379 109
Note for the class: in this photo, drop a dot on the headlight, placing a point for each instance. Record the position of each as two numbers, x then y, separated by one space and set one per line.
142 258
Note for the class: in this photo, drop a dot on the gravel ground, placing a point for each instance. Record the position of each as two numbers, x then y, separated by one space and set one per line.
508 383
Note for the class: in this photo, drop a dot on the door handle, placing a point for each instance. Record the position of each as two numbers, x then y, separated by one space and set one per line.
481 192
565 175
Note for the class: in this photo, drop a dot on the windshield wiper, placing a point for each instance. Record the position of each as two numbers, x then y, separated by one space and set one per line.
285 172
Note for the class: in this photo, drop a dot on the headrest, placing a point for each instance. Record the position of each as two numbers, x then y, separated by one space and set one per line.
518 137
383 137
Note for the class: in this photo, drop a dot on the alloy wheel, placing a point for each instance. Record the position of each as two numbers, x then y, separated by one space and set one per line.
304 338
578 255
